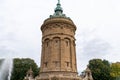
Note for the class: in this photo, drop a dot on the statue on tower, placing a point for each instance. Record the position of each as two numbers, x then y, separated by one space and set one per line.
29 75
87 74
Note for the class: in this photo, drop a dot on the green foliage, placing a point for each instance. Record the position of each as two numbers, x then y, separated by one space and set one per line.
115 70
21 66
100 69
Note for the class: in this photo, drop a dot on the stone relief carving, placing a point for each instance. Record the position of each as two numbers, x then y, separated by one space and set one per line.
58 25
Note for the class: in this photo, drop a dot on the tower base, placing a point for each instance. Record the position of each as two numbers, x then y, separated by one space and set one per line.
58 76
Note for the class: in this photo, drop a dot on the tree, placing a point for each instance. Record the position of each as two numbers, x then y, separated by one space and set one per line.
100 69
115 70
21 66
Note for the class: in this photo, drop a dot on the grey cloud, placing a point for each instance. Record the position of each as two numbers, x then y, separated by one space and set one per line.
8 36
6 52
1 23
96 48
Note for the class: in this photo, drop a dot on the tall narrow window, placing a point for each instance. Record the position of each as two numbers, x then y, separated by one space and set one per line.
56 63
56 41
67 43
47 44
46 64
67 64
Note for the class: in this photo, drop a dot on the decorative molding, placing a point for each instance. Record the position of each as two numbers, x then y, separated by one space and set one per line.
57 35
54 22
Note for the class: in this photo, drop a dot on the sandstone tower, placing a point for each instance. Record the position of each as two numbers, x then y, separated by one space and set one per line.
58 57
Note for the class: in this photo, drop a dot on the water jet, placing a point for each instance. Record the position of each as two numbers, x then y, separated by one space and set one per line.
6 69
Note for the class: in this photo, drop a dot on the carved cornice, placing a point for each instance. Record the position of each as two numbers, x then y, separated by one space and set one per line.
57 35
58 21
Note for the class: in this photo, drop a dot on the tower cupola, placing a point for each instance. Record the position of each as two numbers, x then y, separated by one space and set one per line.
58 12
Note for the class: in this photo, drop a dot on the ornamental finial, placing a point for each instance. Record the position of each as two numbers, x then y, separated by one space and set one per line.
58 8
58 1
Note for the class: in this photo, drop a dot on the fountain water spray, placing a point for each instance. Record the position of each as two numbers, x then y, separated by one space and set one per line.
6 69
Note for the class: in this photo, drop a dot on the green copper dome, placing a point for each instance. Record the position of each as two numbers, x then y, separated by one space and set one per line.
58 12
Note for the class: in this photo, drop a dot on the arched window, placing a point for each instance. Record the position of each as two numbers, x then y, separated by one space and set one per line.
56 41
67 41
56 48
47 42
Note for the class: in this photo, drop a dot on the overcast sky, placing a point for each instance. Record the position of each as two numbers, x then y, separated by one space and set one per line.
97 21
